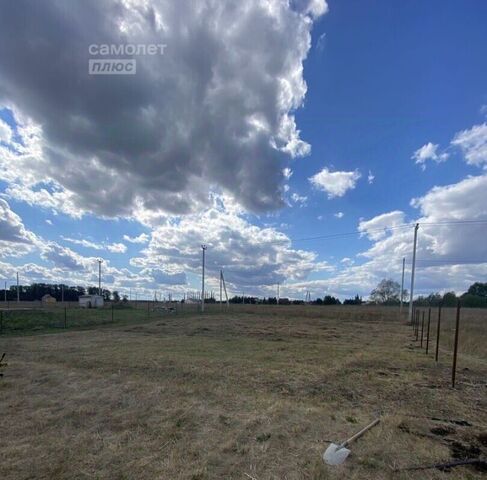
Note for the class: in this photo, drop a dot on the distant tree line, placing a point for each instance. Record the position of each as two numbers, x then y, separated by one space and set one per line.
388 292
326 300
474 297
36 291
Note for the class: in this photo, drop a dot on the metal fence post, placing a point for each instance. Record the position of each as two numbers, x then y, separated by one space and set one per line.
422 328
417 326
455 347
438 333
112 312
416 318
428 331
65 318
1 322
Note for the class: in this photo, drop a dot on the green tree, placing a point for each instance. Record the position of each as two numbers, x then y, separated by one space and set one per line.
449 299
479 289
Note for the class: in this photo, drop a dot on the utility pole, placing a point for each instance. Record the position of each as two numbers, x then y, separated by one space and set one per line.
413 268
402 284
222 280
99 275
203 248
221 289
18 293
62 293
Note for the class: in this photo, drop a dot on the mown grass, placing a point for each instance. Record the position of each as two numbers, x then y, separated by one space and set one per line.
254 391
48 320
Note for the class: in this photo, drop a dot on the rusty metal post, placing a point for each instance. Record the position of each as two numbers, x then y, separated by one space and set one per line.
422 328
417 324
455 347
428 331
438 326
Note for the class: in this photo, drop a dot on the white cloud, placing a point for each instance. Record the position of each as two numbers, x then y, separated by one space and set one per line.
370 178
142 238
320 43
163 277
339 214
49 222
15 239
429 152
116 247
252 257
5 132
301 199
111 247
315 8
83 243
376 227
336 184
287 172
473 144
65 258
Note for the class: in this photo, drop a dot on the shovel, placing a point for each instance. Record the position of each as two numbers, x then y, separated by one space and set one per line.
337 454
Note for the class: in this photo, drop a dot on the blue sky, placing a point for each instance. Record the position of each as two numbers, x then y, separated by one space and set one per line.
384 79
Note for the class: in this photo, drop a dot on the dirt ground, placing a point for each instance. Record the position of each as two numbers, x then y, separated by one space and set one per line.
253 393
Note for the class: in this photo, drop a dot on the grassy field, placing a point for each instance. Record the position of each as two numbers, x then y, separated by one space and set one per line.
32 317
256 392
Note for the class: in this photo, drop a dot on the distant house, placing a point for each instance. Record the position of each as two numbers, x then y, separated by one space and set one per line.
91 301
48 299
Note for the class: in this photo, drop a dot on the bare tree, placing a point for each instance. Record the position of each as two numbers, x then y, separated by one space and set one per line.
387 291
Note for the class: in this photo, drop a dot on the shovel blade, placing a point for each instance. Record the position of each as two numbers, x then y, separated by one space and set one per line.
334 455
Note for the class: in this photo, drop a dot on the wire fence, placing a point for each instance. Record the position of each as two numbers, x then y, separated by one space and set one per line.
450 332
28 317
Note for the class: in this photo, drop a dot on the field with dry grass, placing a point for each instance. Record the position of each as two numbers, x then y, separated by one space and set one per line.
254 392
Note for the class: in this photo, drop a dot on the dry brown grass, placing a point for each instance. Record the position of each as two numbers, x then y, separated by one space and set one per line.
257 391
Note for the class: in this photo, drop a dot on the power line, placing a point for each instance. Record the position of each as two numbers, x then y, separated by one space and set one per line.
455 222
385 229
450 261
348 234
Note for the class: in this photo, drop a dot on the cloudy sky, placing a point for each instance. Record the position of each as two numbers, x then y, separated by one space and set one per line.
299 140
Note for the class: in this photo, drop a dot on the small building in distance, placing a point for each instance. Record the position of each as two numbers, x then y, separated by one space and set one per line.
48 299
90 301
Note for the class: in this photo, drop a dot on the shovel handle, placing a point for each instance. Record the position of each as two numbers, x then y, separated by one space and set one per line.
359 434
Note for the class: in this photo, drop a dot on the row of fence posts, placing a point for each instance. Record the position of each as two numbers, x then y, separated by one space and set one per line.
65 317
418 325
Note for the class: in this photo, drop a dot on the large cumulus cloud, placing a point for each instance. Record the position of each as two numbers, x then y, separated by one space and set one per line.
253 257
214 112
